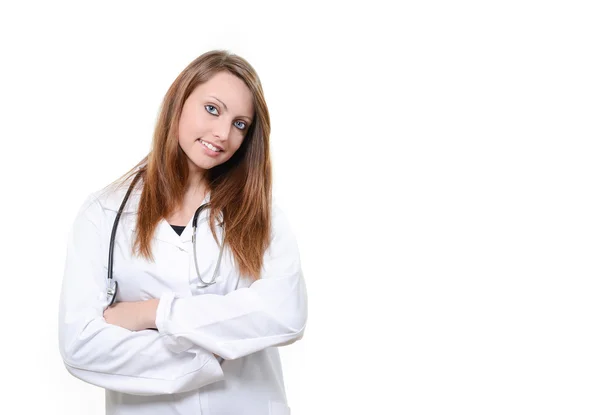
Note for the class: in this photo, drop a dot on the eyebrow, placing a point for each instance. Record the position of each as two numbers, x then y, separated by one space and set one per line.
226 109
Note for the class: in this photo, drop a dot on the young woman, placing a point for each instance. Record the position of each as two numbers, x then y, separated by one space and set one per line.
182 276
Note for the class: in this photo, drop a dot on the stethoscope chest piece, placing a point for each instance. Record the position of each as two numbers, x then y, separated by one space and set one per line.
111 292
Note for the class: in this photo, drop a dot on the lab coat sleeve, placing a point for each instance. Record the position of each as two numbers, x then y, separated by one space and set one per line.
271 312
110 356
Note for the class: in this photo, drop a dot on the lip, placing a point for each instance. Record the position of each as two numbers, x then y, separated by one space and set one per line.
211 143
208 151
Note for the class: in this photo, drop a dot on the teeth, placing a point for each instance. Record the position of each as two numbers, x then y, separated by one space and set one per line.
213 148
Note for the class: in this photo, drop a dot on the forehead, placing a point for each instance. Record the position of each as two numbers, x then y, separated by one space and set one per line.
230 89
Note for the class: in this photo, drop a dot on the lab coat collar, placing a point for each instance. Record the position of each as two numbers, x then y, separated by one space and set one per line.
164 231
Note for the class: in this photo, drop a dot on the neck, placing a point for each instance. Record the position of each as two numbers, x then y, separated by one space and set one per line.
196 188
196 181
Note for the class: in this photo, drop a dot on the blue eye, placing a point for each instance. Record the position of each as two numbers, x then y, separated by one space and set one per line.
208 108
211 106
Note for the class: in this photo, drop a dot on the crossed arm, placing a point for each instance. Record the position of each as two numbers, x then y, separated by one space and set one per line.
133 315
111 348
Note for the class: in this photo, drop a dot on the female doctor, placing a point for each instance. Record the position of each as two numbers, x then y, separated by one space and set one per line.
205 267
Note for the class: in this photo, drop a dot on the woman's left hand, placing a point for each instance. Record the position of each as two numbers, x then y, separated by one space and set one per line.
133 315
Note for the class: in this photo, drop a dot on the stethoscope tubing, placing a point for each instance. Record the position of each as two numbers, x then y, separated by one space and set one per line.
201 282
113 284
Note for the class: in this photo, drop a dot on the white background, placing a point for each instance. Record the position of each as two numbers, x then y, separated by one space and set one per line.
439 162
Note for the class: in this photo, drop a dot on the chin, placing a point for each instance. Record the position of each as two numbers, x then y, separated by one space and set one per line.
204 164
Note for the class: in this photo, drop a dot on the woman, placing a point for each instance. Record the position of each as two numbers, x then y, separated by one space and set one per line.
174 341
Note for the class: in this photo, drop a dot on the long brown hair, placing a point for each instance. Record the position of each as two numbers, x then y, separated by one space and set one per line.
240 189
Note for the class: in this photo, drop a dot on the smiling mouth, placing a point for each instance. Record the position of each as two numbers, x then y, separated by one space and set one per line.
210 146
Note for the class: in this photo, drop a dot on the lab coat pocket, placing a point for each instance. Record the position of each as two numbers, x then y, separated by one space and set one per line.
278 408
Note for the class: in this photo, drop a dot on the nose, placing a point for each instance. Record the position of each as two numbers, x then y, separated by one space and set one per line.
221 129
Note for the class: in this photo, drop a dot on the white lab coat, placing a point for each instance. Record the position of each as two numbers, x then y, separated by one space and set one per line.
173 370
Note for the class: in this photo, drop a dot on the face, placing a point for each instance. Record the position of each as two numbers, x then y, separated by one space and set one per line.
214 121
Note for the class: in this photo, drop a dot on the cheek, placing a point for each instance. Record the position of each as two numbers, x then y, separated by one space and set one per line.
190 125
238 141
183 128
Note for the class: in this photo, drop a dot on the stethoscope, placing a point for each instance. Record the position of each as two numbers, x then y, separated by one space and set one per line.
113 285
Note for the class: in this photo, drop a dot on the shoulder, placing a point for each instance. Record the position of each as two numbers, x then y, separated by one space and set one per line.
281 226
276 210
110 198
283 254
107 201
278 215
